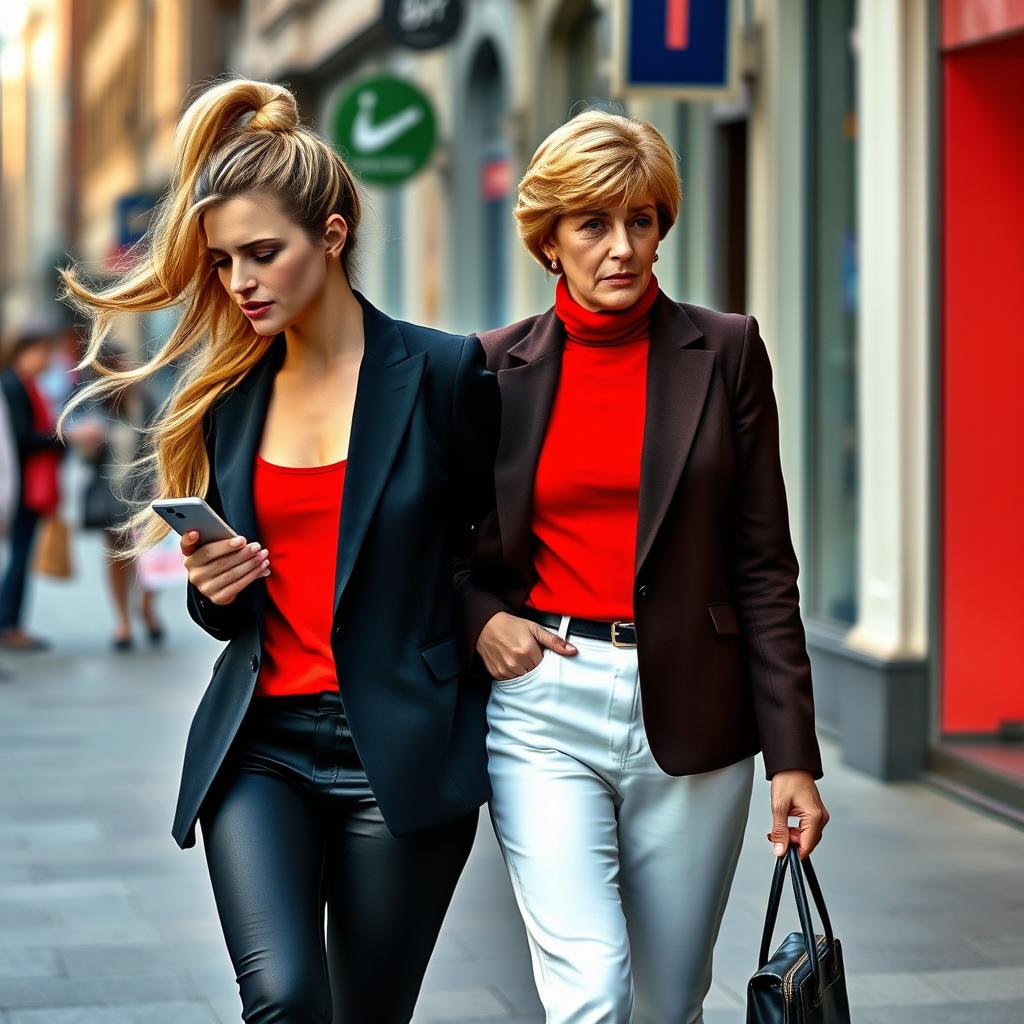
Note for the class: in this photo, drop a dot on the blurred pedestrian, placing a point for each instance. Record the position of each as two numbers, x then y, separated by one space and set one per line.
337 759
10 476
120 480
9 479
640 514
39 452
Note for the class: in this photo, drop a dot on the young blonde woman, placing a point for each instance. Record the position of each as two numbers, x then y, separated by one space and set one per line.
633 597
336 761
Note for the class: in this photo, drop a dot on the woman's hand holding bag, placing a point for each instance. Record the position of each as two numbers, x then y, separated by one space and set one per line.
795 795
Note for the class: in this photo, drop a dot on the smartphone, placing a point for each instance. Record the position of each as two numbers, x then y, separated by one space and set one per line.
184 514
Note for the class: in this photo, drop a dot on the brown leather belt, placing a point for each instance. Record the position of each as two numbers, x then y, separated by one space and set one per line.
619 634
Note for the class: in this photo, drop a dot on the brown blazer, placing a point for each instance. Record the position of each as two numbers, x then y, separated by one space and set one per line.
723 660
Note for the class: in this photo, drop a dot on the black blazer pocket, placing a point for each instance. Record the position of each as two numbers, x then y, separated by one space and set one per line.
724 617
443 658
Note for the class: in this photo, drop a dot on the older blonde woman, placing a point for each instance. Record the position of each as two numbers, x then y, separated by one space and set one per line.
633 597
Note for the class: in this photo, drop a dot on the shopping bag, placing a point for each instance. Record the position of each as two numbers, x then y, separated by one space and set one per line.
163 566
53 550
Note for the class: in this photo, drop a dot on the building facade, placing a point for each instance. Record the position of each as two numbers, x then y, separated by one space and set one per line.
136 63
816 198
36 194
858 193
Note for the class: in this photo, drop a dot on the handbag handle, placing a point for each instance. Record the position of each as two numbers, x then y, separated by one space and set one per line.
797 869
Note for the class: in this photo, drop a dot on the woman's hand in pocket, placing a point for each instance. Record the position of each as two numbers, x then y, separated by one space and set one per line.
221 570
511 646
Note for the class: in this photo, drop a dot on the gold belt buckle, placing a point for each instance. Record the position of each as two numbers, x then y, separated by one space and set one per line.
615 634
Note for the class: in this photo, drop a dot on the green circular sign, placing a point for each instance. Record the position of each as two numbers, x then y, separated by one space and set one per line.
386 129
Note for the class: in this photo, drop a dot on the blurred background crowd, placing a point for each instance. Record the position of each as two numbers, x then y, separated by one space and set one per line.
854 183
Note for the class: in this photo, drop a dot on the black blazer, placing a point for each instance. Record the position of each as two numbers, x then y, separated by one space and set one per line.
420 475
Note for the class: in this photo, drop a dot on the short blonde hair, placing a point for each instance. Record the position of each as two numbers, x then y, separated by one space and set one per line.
596 159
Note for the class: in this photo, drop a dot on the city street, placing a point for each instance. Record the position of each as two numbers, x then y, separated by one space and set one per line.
103 919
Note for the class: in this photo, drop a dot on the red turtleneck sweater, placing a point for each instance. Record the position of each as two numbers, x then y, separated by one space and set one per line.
587 488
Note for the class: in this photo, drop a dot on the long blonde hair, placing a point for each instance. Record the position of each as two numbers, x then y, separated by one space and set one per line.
238 137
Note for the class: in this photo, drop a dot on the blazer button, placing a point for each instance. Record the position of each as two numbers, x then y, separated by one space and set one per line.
337 630
642 592
254 663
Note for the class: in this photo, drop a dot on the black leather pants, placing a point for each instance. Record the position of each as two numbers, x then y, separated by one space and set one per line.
291 829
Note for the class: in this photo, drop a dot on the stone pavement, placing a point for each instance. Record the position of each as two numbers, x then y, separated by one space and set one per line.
103 919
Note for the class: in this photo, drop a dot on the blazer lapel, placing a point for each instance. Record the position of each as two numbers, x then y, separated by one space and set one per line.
389 380
678 378
527 396
239 429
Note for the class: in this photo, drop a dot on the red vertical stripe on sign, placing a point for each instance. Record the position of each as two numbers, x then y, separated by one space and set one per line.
677 24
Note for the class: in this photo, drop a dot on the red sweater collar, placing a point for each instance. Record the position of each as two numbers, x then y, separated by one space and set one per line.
608 327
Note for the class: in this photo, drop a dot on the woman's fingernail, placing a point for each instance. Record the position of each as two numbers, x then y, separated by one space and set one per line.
780 849
570 647
266 572
264 553
237 541
254 547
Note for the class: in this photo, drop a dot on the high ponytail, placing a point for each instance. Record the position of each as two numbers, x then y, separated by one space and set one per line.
227 110
238 137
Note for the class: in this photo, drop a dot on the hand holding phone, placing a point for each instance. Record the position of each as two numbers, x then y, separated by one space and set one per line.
185 515
219 562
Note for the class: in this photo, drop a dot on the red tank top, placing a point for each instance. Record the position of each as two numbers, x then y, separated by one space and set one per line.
299 512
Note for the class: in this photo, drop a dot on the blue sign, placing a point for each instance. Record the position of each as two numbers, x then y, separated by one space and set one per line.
677 46
133 214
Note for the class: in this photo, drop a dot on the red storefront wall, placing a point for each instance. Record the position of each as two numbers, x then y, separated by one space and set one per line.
983 365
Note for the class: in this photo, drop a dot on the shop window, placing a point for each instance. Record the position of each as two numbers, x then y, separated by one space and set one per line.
484 185
832 314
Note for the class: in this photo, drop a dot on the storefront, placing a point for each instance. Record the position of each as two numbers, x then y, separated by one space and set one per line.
980 714
859 193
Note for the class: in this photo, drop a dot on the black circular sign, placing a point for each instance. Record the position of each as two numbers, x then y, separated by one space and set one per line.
422 24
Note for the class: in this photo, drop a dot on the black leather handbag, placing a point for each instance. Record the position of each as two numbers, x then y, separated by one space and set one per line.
803 982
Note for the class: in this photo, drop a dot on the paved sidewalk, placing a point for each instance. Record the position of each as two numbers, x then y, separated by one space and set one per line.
102 919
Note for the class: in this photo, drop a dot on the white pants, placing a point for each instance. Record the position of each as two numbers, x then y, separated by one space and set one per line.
621 872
